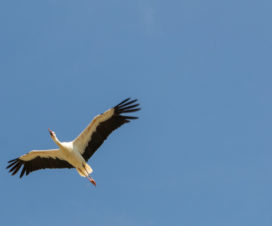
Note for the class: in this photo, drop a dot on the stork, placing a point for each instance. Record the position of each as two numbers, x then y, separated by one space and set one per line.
76 153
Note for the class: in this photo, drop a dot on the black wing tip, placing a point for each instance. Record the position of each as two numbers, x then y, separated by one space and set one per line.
15 165
124 101
13 160
127 106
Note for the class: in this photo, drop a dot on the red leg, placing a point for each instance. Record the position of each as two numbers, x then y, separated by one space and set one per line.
91 180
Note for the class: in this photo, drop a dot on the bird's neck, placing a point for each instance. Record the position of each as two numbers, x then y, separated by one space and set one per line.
56 140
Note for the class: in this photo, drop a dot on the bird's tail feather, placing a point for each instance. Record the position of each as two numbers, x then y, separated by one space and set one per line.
85 170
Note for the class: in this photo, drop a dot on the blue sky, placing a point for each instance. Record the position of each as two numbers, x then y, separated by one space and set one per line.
201 152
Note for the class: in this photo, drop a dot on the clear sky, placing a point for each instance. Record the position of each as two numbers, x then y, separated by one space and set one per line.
201 152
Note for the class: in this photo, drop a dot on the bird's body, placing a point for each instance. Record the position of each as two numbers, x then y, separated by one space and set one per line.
76 153
69 152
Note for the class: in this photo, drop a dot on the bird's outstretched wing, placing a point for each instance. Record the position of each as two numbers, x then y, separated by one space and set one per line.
35 160
102 125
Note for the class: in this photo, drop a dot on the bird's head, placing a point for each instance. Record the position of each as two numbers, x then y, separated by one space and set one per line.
52 133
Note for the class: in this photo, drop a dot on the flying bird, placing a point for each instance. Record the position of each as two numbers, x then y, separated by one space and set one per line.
76 153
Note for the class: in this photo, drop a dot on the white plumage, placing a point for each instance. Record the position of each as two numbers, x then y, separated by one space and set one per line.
76 153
